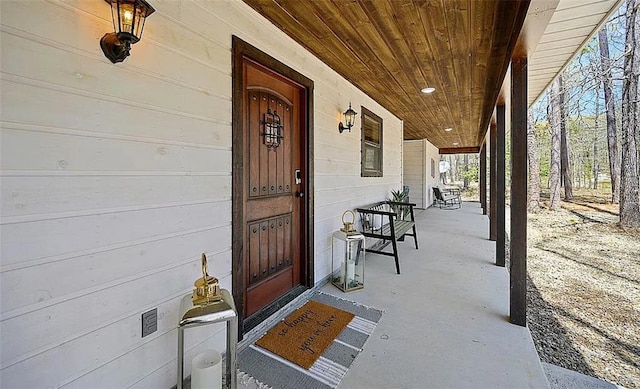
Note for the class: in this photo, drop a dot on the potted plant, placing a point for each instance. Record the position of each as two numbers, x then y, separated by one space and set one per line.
400 196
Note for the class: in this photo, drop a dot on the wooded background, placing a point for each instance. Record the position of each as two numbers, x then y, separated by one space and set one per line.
583 131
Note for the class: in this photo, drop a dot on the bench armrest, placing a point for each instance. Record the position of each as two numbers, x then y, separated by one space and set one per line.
375 212
401 203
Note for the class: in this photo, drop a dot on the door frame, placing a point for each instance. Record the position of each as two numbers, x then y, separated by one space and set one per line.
241 50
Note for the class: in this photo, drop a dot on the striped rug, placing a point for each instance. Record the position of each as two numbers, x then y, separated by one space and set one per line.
268 370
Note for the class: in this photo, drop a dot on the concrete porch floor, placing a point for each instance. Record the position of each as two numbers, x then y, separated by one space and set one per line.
445 321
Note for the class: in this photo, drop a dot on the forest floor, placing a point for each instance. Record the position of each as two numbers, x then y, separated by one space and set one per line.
584 289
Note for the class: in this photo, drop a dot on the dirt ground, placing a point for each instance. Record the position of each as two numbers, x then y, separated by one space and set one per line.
584 289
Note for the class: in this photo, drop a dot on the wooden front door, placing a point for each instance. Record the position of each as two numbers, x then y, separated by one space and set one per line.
273 186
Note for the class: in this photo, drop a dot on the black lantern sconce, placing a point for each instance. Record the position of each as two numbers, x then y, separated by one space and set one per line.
128 21
349 118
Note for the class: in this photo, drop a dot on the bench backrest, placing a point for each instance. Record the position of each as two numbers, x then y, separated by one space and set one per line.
373 221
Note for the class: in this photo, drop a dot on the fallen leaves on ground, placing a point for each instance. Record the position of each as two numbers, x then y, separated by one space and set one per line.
584 292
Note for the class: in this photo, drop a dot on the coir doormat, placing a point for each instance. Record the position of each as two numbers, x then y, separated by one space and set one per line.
304 335
267 368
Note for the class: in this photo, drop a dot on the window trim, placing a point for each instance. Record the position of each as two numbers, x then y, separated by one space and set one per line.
376 172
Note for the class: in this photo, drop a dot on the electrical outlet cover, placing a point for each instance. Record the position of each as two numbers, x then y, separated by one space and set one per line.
149 322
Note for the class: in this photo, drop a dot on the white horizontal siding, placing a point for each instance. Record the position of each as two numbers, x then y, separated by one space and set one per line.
103 192
80 273
67 111
127 228
116 177
414 171
431 152
44 150
417 171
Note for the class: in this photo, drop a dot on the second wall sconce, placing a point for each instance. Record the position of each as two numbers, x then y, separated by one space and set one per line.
349 118
128 21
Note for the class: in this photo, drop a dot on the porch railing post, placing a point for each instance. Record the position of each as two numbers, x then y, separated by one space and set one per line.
492 181
483 178
500 186
518 255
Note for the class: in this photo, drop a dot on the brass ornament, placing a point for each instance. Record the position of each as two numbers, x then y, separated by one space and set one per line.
349 227
207 289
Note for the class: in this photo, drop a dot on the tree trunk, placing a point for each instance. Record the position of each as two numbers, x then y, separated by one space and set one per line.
534 166
564 149
452 169
594 167
612 137
629 209
555 117
447 172
466 171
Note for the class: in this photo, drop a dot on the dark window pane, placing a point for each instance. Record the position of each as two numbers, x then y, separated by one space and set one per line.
371 130
371 147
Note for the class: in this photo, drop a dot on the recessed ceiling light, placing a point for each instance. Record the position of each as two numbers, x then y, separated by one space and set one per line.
455 143
428 90
448 129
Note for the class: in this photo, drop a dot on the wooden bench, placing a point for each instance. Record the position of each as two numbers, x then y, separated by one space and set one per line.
389 221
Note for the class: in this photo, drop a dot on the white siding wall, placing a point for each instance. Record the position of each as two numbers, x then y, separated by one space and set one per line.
414 171
417 171
431 152
116 177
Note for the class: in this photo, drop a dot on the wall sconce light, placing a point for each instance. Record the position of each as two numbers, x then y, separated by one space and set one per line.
128 21
349 118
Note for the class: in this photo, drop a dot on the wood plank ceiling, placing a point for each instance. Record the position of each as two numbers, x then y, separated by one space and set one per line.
391 49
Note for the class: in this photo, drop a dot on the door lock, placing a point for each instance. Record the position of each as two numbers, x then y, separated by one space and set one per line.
298 177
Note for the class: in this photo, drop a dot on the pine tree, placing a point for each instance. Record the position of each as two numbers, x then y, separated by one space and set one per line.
629 207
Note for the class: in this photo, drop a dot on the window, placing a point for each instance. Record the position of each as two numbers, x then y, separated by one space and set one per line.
371 164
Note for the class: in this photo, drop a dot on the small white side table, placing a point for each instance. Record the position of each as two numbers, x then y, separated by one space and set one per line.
194 316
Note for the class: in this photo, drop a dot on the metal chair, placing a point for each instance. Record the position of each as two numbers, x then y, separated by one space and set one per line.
449 200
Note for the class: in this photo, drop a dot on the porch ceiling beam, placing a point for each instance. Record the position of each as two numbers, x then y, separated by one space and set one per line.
460 150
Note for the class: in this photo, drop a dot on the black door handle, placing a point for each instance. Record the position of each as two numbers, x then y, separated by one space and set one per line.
299 195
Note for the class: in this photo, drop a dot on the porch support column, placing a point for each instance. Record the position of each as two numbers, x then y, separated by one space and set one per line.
518 257
483 178
500 186
492 182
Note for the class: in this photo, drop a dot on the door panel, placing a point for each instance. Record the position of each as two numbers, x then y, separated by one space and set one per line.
273 218
269 247
270 160
269 290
